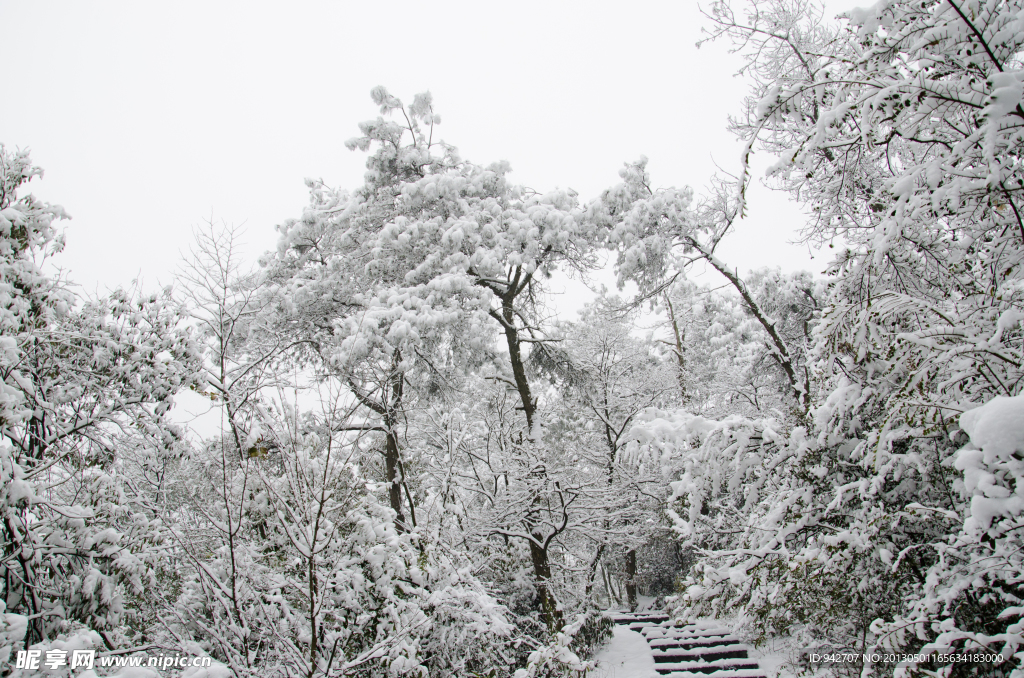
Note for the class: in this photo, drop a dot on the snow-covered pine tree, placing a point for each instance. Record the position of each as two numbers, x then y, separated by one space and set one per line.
432 247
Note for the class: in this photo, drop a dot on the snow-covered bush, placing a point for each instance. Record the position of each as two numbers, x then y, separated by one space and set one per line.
561 658
84 383
971 598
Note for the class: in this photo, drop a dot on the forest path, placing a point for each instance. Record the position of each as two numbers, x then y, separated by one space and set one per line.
701 650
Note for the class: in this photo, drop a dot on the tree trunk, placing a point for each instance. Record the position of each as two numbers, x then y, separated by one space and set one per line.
678 335
538 545
592 576
391 470
542 573
392 461
389 408
613 595
631 579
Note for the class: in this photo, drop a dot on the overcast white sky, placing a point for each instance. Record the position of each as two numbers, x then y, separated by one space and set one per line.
149 118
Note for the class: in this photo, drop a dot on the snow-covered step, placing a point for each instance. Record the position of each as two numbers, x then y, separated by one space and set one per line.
706 653
639 626
695 629
726 666
640 618
701 650
686 643
684 632
727 673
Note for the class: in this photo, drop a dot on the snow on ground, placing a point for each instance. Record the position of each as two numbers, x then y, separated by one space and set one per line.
627 655
774 658
643 604
648 604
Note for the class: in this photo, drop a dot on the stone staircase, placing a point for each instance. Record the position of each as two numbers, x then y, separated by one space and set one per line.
703 650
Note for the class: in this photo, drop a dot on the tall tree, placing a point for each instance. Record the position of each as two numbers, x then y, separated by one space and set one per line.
438 242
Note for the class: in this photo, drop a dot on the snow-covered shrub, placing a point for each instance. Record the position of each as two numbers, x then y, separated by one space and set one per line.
972 600
564 656
84 383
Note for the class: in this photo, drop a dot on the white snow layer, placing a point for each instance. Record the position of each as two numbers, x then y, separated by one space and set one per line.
626 656
997 426
991 460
